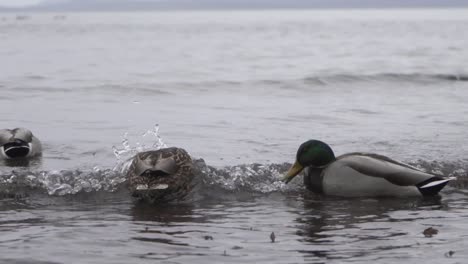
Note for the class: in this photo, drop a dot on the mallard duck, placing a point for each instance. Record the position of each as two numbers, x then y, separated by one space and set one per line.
161 175
18 143
360 174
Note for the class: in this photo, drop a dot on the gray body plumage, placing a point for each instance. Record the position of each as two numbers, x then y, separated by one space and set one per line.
161 175
364 174
19 143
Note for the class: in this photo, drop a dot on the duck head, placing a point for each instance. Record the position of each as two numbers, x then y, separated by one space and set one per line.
161 175
312 153
16 143
154 173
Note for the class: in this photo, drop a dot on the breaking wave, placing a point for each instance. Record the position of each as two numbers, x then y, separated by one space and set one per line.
252 178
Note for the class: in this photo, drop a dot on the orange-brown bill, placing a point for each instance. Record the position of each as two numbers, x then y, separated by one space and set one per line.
293 171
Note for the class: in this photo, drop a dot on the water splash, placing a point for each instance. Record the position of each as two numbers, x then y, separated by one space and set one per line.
63 182
262 178
457 169
118 152
127 150
159 143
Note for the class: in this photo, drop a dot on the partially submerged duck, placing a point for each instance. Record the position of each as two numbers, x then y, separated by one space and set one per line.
360 174
161 175
18 143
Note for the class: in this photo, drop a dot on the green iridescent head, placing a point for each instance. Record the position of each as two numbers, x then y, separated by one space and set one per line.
312 153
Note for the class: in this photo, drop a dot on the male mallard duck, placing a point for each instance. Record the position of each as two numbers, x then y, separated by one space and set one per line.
18 143
360 174
161 175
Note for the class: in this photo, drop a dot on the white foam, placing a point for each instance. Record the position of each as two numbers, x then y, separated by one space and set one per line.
160 187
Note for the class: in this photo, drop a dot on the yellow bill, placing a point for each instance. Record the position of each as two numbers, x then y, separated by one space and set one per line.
293 171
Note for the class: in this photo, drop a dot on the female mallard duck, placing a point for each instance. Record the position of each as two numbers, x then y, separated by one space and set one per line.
18 143
161 175
360 174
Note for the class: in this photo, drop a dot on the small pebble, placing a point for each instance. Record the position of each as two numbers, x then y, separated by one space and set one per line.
429 232
208 237
449 254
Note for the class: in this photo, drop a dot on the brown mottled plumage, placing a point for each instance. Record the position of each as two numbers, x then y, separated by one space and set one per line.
161 175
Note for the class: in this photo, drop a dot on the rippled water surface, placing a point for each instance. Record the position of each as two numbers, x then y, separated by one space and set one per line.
240 90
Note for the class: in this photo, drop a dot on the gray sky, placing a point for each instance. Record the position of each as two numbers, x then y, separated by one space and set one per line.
18 3
128 4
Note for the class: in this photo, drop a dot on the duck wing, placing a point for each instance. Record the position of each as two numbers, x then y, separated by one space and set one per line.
393 171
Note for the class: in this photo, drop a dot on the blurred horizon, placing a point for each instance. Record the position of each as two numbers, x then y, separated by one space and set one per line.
140 5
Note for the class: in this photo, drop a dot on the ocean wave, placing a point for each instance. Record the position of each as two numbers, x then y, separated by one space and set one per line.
386 77
319 80
152 88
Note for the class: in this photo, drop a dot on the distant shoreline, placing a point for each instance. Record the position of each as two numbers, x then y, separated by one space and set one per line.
195 9
205 5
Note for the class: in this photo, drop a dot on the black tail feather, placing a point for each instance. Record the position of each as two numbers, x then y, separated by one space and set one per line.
432 186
